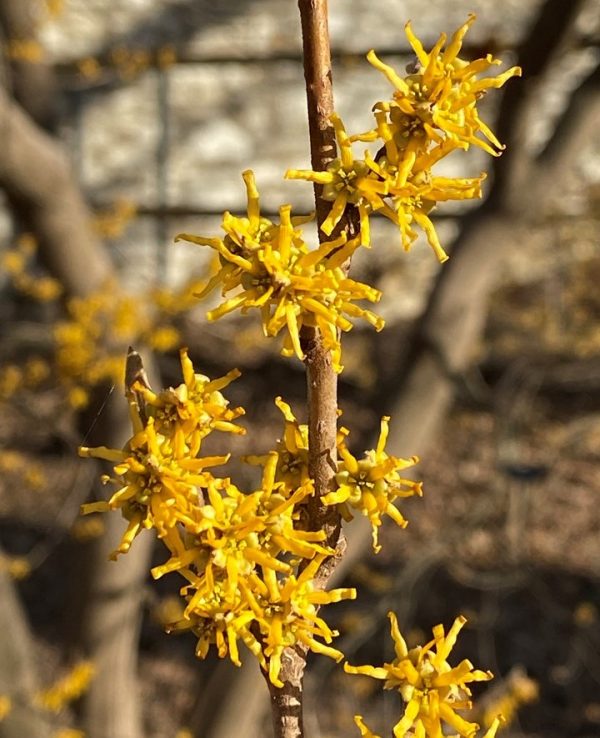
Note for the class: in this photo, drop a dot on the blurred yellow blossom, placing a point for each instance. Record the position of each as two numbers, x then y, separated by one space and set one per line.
22 465
5 706
69 688
11 380
55 7
25 50
89 343
90 68
88 528
17 567
521 690
112 222
17 263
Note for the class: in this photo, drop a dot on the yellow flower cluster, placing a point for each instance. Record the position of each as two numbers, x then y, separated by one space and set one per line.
159 473
432 113
88 346
250 565
16 464
272 269
88 343
112 222
128 63
67 689
16 263
431 689
369 485
238 552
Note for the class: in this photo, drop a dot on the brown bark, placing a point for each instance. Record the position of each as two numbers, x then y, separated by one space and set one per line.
286 702
31 83
320 375
17 668
36 176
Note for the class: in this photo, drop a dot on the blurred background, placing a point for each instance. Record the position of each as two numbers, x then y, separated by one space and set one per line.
126 122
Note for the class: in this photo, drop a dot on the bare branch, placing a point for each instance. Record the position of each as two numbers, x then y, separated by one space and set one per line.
32 83
36 176
17 667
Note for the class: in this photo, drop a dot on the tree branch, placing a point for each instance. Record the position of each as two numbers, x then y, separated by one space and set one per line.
36 176
17 667
32 83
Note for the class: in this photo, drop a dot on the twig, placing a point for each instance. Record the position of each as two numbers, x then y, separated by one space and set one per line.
286 702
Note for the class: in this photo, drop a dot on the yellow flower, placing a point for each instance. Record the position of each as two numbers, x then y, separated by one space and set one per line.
371 485
346 180
278 516
273 271
291 449
414 192
189 412
287 610
157 489
432 689
439 101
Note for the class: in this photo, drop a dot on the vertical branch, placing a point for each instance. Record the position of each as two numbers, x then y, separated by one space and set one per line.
286 702
320 375
319 90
